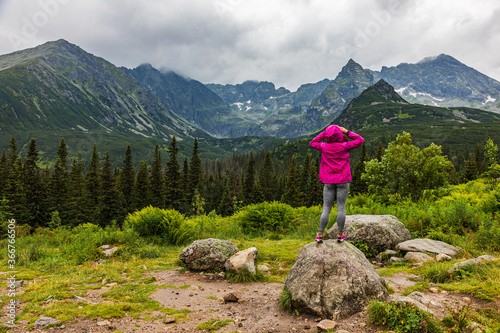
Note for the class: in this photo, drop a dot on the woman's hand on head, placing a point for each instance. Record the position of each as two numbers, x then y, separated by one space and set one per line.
343 130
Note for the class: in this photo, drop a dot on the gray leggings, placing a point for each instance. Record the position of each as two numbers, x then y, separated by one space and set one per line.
330 193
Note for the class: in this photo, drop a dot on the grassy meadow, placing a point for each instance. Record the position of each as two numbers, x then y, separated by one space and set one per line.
63 263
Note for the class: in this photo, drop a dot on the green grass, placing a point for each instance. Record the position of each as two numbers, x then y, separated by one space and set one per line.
63 263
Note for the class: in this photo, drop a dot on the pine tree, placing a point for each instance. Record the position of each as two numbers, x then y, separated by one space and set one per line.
110 202
185 187
59 182
15 193
380 152
126 181
142 195
173 187
195 173
304 186
267 178
249 181
4 174
33 188
77 208
470 170
225 206
479 159
12 152
92 185
317 186
359 185
157 180
291 196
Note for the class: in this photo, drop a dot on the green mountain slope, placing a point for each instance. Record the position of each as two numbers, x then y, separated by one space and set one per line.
379 114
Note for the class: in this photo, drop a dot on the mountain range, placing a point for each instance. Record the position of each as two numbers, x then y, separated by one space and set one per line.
59 90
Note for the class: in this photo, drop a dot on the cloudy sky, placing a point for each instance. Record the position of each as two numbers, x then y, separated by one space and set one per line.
288 42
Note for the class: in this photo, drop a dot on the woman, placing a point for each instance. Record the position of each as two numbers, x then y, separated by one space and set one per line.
335 173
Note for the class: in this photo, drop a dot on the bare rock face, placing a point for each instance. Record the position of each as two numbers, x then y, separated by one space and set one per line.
243 261
379 232
333 280
207 254
429 246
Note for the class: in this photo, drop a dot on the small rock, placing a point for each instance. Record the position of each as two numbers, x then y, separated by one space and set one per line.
327 324
108 250
233 296
221 275
443 257
432 285
114 284
415 257
306 327
263 268
44 321
392 260
434 290
103 323
169 320
104 281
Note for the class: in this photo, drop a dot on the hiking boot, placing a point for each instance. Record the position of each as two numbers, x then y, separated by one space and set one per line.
319 237
341 237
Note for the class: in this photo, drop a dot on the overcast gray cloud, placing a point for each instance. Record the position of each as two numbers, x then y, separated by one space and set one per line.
288 42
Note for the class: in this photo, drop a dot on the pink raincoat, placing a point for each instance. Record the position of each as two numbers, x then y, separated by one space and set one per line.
335 166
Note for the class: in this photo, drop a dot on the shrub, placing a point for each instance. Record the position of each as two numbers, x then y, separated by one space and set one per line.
169 225
488 235
267 216
402 318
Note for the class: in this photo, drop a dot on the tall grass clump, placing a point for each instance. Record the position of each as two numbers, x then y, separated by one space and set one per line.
402 317
163 225
266 217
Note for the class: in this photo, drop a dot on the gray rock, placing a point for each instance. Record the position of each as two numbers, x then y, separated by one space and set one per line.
327 325
233 296
333 280
207 254
108 250
394 260
44 321
414 257
471 262
385 256
404 300
378 232
243 261
418 296
443 257
428 245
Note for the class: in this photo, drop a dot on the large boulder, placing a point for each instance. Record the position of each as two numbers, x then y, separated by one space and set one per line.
207 254
428 245
378 232
333 280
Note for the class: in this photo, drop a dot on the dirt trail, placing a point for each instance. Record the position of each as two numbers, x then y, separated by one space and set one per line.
257 311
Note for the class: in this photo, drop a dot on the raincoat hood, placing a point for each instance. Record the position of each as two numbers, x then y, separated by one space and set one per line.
334 134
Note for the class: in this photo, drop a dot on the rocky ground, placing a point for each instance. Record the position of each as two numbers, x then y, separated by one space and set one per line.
256 311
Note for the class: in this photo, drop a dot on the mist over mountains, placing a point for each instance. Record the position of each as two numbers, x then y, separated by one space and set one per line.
59 90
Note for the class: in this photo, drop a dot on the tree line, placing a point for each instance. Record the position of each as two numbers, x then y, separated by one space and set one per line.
72 192
75 192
